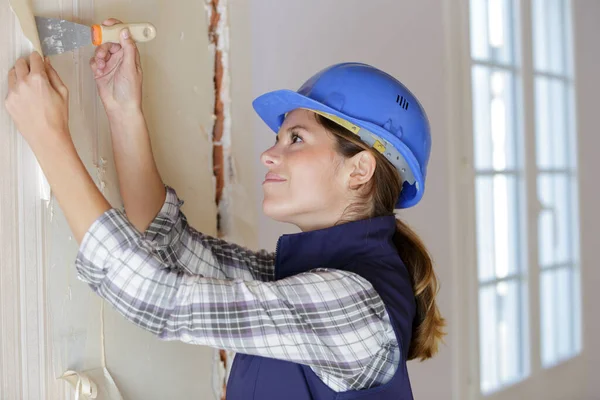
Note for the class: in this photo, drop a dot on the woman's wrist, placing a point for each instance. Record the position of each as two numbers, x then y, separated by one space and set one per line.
119 113
126 121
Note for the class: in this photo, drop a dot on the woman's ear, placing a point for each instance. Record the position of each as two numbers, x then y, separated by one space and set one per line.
362 167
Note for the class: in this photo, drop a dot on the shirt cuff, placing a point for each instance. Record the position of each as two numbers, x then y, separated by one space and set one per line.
106 239
159 229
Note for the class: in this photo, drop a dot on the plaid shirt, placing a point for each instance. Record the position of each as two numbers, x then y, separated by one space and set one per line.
183 285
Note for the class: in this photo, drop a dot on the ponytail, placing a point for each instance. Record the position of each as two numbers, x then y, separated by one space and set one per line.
428 323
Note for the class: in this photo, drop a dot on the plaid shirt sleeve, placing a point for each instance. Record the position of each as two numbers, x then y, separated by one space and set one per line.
331 320
183 248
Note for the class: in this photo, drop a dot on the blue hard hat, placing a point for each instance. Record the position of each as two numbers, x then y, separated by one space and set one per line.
373 105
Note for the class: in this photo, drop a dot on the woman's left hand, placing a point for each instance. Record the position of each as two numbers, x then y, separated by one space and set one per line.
38 101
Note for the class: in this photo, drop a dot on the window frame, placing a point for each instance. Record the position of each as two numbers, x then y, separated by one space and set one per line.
460 118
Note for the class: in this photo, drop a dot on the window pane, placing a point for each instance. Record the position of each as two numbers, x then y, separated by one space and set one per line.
555 223
492 31
553 127
572 128
547 327
500 334
498 233
488 342
559 315
549 36
557 186
494 119
574 222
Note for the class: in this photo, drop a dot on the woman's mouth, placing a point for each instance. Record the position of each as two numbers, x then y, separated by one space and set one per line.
272 177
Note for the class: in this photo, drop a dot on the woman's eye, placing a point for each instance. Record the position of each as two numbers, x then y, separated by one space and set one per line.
295 138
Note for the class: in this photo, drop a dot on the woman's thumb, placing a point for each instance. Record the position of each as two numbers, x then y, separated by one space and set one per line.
128 45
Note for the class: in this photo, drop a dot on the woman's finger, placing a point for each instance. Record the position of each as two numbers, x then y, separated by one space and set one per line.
105 50
12 79
36 64
93 65
129 48
111 21
102 51
21 68
114 48
100 63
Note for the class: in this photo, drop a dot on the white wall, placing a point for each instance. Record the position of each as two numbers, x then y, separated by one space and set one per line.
287 41
586 15
295 39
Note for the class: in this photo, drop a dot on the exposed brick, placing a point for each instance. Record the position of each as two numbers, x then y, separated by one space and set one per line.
217 135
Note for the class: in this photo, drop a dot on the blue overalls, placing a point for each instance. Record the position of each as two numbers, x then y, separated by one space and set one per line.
364 247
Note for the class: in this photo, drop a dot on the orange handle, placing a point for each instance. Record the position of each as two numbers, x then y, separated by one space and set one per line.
140 32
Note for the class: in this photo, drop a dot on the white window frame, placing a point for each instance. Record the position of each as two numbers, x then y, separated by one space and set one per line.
460 119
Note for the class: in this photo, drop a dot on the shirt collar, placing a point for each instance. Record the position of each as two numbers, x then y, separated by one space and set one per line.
335 246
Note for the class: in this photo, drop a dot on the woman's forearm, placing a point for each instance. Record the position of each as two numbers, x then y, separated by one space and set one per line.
72 185
141 186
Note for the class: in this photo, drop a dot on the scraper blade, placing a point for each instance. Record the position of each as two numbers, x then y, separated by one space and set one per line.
58 35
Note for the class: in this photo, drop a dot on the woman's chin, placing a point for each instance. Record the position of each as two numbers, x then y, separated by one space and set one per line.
275 210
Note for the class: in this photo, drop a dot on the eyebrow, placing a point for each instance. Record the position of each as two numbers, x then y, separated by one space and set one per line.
298 127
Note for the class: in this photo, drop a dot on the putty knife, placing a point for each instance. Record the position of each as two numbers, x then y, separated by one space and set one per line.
59 35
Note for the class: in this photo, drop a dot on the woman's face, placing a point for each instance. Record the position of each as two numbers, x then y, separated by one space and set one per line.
306 182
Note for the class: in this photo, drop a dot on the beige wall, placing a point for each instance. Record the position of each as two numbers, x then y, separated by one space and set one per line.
178 101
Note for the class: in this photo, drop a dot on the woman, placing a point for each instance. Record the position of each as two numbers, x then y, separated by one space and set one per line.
339 309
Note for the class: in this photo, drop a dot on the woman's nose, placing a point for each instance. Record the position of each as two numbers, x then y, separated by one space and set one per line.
270 157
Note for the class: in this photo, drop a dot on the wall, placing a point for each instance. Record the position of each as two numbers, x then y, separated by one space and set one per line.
586 14
271 48
284 45
178 95
291 42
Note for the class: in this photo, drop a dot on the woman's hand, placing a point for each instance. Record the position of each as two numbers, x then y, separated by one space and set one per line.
118 73
38 101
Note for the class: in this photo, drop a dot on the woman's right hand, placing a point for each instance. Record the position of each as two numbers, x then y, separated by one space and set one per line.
118 73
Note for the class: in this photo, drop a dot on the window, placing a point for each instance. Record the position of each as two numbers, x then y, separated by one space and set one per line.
556 168
517 178
499 198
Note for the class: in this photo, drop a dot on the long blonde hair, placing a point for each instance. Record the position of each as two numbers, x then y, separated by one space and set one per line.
379 199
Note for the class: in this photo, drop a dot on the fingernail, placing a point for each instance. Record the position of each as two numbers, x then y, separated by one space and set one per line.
125 33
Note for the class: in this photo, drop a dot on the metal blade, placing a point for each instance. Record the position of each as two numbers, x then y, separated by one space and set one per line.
59 35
